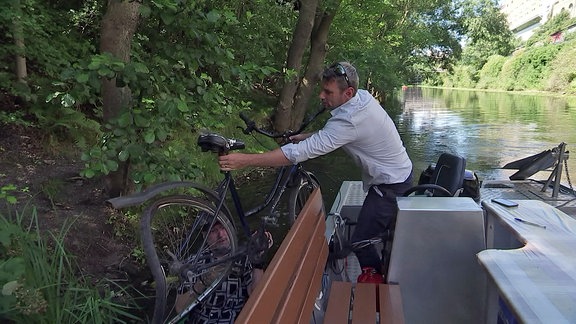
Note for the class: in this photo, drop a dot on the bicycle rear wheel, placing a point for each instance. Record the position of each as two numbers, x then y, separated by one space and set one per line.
304 185
182 262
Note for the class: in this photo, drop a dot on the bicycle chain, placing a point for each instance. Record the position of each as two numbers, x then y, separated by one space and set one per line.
568 176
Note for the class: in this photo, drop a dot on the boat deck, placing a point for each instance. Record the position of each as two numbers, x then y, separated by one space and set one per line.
351 196
501 240
531 190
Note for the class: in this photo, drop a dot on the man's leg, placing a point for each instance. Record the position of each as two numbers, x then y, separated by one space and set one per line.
378 214
375 217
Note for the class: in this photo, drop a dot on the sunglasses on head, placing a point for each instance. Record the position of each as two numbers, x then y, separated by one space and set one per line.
339 70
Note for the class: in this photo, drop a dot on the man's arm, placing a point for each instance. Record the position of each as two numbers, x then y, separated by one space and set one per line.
235 161
256 277
300 137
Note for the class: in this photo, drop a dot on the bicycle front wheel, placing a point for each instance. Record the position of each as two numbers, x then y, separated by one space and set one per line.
304 185
186 262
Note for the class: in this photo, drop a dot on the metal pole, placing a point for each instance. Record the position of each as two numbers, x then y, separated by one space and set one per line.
562 147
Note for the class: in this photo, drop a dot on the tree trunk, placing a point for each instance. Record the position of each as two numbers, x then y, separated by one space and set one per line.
118 28
315 64
21 70
300 40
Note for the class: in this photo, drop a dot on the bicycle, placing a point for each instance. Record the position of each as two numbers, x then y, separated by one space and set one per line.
341 247
174 227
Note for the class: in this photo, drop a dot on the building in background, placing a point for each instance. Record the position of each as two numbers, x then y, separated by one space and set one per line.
526 15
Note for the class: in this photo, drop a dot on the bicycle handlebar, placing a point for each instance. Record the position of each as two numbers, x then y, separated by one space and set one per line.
219 144
251 126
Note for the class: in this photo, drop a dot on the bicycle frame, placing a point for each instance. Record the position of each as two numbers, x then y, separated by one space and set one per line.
284 175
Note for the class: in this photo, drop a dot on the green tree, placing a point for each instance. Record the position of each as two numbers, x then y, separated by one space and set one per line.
486 31
186 73
167 69
403 40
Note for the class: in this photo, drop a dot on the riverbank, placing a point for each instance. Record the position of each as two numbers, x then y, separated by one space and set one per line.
48 184
518 92
546 66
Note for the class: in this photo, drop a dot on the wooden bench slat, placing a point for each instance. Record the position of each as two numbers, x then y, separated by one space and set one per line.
289 287
338 309
278 277
391 310
292 307
364 304
315 286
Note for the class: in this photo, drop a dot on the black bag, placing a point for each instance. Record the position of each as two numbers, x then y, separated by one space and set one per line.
470 185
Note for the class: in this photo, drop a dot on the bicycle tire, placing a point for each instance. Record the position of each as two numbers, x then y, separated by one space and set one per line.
168 246
300 192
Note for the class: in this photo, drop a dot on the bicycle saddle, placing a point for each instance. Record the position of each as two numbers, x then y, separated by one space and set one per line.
218 144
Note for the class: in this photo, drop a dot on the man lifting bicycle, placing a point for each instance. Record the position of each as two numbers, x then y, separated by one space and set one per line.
361 127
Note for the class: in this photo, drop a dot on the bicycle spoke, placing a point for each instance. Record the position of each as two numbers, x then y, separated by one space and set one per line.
183 255
300 194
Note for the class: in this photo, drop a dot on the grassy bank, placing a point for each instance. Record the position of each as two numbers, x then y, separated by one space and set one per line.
541 64
41 282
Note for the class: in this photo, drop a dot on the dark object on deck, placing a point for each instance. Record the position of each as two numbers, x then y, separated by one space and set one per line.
528 166
448 177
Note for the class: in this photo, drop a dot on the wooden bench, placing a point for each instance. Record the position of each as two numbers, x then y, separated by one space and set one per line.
290 285
371 302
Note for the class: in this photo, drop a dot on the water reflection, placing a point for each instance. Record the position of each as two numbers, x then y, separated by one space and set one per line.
489 128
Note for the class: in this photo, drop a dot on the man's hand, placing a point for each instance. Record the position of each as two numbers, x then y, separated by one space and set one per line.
300 137
233 161
259 243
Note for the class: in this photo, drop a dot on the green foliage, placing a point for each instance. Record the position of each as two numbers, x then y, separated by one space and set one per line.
139 255
14 118
541 66
463 76
125 223
40 284
5 193
562 74
487 32
51 43
510 69
52 189
182 80
405 41
556 24
490 72
527 69
532 67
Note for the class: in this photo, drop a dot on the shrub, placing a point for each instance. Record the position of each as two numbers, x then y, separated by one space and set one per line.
510 71
39 281
563 70
464 76
490 72
533 67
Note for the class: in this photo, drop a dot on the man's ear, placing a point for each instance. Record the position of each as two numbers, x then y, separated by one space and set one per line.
349 92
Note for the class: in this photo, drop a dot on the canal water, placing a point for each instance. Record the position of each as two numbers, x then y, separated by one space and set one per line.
489 129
